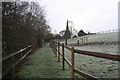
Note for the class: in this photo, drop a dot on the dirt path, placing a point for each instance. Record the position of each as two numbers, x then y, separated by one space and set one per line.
43 64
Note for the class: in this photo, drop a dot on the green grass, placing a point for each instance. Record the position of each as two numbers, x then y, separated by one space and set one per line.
43 64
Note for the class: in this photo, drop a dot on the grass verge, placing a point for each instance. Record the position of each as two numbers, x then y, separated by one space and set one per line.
43 64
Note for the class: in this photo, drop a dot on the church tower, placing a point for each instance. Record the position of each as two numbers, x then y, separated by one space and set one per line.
67 28
67 34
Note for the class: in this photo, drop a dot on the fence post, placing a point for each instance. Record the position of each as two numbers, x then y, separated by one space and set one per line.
77 42
87 39
58 52
65 41
82 40
55 49
63 56
72 56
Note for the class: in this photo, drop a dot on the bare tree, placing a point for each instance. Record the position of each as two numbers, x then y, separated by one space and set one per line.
24 23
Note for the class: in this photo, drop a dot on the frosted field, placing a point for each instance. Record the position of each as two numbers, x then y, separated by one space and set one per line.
101 68
108 49
108 37
105 43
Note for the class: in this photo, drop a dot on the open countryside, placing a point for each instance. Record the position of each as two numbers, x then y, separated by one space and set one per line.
30 50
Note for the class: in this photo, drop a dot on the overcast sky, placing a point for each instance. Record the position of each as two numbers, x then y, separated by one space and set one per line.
90 15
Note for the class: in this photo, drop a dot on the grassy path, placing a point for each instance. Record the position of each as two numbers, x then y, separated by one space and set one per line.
43 64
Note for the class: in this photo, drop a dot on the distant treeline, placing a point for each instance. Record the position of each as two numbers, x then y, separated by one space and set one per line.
23 24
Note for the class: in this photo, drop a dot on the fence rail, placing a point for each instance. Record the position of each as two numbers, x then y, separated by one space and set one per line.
21 53
73 69
100 55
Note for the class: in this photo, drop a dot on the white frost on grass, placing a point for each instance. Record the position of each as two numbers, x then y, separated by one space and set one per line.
109 49
108 37
104 43
102 68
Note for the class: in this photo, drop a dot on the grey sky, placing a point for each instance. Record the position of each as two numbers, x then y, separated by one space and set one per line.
90 15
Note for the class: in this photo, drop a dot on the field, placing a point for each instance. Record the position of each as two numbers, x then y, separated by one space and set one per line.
107 38
102 68
105 43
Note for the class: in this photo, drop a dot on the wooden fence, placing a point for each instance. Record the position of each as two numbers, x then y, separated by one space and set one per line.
10 61
56 48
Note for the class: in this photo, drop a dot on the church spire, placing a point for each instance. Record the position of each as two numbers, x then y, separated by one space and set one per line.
67 34
67 28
